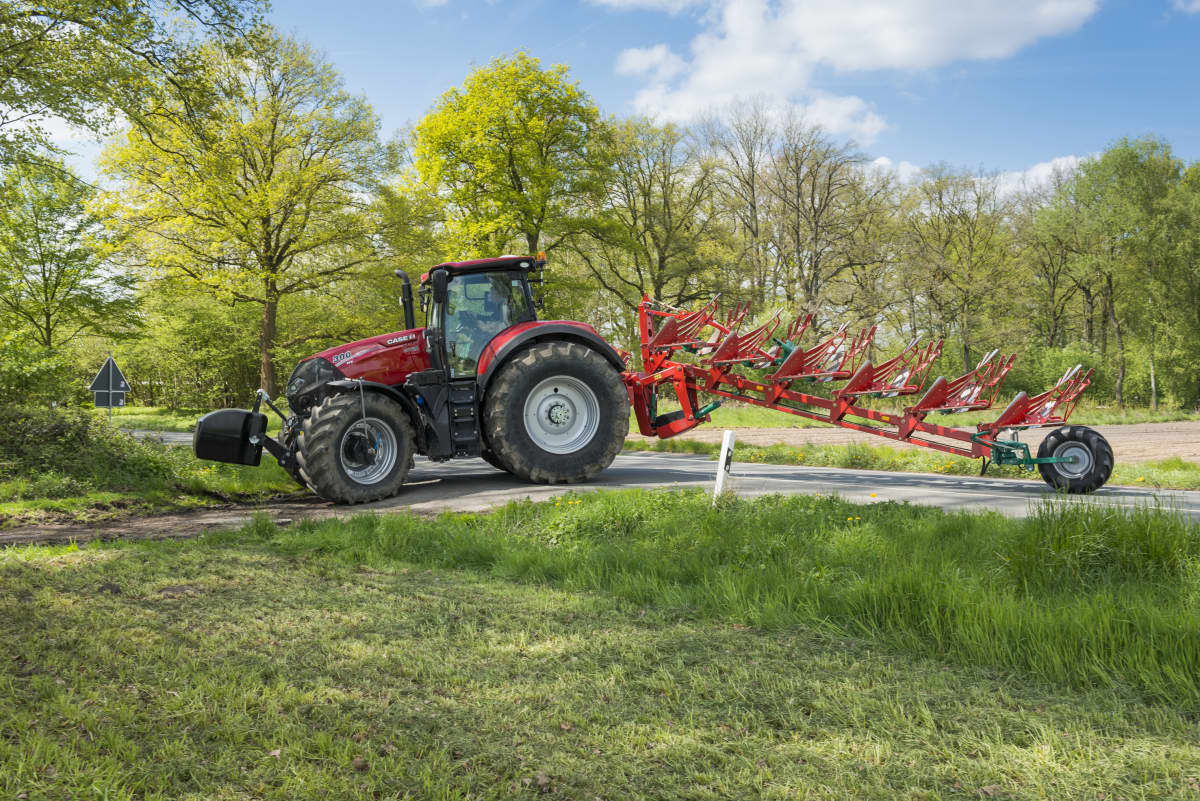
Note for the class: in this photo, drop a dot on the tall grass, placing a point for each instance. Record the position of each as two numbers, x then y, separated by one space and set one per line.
1085 596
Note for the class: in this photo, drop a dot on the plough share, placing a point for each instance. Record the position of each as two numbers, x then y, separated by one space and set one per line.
1073 458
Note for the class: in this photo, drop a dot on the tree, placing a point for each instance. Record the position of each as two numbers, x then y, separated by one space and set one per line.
655 229
261 191
826 210
743 139
958 250
513 152
83 61
1127 242
54 279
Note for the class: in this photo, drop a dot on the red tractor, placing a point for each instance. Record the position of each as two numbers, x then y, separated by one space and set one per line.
543 400
549 401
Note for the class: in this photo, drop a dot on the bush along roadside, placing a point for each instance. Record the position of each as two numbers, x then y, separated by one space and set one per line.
57 462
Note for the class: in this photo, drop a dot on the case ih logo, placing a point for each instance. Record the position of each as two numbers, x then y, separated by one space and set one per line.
399 339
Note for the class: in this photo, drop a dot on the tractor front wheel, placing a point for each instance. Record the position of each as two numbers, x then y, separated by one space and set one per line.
355 448
1088 459
556 413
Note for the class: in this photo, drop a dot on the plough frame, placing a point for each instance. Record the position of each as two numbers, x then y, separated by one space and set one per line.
666 331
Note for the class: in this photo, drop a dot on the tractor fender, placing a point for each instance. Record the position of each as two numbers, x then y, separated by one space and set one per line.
351 385
506 344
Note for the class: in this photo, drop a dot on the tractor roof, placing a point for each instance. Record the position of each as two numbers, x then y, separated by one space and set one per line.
483 265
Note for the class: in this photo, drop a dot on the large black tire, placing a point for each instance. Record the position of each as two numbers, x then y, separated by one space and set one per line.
491 458
346 461
579 392
1093 463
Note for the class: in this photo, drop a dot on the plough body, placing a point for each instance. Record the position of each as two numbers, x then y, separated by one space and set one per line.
718 347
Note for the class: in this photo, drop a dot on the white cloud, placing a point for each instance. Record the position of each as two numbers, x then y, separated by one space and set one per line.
658 62
431 3
671 6
1187 6
1039 175
772 47
905 170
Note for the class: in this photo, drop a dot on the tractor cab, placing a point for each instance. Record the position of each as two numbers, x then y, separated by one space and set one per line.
468 303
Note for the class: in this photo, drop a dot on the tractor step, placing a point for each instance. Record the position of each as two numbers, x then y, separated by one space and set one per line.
464 418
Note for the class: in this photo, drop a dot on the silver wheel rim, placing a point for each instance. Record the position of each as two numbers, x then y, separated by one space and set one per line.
1080 456
368 451
562 414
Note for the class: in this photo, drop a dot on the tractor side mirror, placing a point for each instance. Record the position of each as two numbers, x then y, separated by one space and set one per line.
437 281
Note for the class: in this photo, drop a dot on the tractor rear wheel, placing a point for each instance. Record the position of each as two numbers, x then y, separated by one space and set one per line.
491 458
355 448
1090 459
556 413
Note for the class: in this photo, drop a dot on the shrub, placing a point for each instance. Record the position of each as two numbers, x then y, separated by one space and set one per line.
61 450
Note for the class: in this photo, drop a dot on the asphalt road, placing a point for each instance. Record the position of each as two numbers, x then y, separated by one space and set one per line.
471 485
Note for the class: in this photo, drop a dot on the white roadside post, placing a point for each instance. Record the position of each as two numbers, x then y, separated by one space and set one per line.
723 464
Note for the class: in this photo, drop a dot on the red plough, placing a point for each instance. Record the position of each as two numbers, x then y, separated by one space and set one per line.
1074 459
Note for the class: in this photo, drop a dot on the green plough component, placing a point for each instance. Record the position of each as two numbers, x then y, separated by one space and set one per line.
1016 453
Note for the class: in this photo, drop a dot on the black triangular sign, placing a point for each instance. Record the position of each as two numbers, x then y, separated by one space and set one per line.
109 378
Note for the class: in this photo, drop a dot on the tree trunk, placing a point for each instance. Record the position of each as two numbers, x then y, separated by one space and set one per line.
1153 377
266 341
1119 390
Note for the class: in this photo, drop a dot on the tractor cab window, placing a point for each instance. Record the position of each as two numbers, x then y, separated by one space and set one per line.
479 306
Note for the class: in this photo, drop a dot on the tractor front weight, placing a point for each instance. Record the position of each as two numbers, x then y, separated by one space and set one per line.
717 346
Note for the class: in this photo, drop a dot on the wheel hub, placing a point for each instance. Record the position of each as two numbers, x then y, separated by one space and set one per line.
368 451
1077 459
561 414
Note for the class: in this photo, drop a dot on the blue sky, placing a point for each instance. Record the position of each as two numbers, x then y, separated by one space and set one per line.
1000 85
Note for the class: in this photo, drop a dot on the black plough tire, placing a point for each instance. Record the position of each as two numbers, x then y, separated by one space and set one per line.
504 413
1088 475
323 435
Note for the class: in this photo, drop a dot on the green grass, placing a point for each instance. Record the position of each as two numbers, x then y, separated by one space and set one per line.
67 465
160 418
317 662
1172 473
740 415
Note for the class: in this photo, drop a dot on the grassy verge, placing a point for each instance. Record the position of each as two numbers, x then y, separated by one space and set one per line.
1172 473
315 662
69 465
738 415
160 418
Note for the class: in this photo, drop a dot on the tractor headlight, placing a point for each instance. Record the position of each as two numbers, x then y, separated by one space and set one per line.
309 375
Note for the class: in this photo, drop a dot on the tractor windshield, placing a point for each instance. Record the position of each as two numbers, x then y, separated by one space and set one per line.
479 306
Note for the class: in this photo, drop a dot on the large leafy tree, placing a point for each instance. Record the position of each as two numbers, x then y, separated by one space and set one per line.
657 229
258 189
55 283
86 61
513 151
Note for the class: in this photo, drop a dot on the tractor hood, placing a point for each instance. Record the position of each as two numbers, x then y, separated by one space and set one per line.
386 358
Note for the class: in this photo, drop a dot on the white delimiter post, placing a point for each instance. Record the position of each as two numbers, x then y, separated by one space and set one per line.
723 464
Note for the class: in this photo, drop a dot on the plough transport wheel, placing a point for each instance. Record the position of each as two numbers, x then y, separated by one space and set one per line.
1090 459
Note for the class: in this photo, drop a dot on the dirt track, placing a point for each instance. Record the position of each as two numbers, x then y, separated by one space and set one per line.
1143 442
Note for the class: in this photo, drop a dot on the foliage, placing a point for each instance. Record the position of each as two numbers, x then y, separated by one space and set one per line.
85 61
255 189
514 151
70 462
54 280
